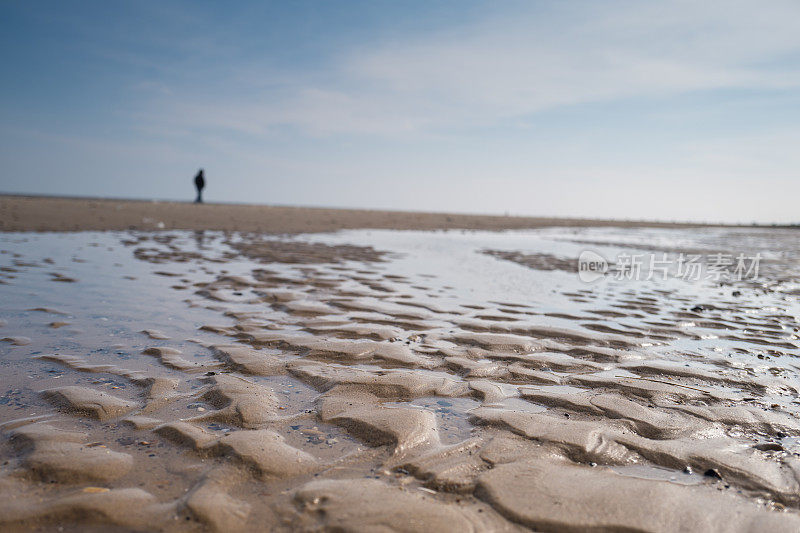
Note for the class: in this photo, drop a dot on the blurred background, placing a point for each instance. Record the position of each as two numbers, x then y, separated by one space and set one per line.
621 109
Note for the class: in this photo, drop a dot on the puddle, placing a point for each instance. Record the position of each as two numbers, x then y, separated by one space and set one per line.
687 477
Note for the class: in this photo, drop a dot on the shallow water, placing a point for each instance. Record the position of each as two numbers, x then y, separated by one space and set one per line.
234 379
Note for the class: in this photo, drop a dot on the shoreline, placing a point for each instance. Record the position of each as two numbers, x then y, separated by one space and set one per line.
58 214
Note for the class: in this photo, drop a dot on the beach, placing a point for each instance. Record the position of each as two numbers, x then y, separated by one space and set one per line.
177 367
44 213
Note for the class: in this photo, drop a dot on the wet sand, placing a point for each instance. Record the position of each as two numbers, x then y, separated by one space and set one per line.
386 380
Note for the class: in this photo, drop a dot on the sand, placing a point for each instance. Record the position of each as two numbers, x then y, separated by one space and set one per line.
385 381
26 213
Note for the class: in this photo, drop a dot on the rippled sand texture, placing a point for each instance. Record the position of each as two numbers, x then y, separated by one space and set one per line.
379 381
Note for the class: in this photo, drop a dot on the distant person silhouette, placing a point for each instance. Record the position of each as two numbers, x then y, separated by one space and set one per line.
199 183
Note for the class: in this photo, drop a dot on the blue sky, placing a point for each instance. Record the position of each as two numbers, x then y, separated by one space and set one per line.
620 109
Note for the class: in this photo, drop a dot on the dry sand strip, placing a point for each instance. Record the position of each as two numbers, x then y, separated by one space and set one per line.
40 213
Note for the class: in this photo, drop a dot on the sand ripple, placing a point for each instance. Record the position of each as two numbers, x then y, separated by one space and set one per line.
324 386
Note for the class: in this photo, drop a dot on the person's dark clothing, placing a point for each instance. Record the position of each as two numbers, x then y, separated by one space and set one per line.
199 183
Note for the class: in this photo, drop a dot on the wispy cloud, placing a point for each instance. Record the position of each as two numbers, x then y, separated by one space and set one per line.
509 65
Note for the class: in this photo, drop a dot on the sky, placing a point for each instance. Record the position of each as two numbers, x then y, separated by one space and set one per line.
662 110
